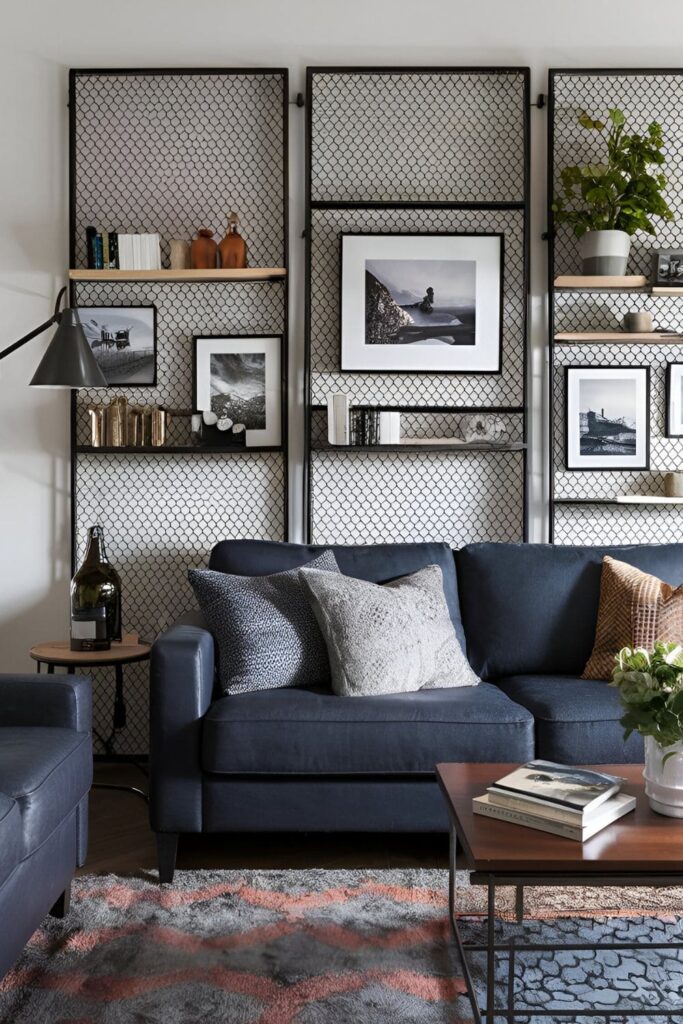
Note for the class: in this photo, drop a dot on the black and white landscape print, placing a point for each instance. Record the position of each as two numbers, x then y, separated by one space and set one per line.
238 387
607 417
420 302
123 341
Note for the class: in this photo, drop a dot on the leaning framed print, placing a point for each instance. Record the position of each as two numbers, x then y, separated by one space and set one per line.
123 340
421 303
674 400
607 417
239 380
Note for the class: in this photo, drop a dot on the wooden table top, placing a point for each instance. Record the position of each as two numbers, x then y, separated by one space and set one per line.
122 652
640 842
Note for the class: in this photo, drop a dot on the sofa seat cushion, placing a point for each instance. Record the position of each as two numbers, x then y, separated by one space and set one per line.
10 836
305 732
47 771
577 720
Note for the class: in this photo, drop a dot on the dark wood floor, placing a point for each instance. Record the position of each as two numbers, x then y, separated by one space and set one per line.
121 841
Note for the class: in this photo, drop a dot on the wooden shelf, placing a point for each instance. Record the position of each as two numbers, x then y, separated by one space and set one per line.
594 283
415 445
177 449
617 337
660 289
186 276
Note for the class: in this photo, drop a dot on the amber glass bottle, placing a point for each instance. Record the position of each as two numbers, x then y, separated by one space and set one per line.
233 249
95 599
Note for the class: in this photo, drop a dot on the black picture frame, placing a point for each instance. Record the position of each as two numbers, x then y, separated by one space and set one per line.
659 259
644 466
211 436
668 432
500 235
119 382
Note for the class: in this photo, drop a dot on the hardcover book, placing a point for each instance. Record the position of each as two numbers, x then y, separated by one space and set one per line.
562 785
611 810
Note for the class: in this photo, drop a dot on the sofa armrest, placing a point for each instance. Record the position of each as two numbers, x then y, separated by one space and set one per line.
181 689
60 701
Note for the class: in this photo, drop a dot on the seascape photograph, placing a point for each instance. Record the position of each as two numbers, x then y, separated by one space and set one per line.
238 387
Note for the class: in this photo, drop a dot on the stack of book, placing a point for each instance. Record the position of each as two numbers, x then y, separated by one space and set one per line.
110 250
561 799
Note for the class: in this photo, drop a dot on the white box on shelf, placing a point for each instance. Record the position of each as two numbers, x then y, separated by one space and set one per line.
389 428
338 418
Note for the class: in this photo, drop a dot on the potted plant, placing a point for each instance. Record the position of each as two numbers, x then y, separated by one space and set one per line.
650 685
606 203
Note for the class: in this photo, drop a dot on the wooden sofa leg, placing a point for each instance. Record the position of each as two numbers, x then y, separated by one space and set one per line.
61 907
167 851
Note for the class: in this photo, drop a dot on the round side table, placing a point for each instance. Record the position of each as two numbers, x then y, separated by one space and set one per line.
122 652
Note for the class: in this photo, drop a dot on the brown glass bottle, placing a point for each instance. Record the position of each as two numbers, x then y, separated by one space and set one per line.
232 249
203 250
95 599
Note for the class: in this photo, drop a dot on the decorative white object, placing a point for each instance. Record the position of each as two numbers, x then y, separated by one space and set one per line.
224 423
389 428
338 418
663 774
210 418
605 252
482 426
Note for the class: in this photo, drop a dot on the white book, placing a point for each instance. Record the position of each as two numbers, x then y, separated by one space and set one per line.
156 251
338 418
611 810
137 253
125 254
389 428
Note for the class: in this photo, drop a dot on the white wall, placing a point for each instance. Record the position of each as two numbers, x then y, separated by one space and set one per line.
40 39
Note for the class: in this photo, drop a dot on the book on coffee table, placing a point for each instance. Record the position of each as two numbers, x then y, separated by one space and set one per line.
609 810
559 786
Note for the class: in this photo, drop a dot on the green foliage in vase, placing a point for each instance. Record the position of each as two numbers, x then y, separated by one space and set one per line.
622 194
650 685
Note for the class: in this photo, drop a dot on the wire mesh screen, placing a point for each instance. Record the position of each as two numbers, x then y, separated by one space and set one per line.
643 98
174 152
418 137
505 388
428 423
161 516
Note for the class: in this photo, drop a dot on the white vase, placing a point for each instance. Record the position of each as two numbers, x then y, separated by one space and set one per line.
605 253
664 779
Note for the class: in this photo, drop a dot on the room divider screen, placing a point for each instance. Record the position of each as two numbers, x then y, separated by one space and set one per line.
417 151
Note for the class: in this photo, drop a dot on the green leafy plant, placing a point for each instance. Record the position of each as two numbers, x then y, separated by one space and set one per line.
650 685
621 194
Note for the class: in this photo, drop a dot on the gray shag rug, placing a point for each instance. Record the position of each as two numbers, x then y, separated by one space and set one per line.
307 947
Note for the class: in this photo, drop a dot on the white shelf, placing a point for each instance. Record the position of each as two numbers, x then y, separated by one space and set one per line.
618 337
647 499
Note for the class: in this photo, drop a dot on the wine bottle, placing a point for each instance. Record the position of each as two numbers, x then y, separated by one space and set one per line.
95 599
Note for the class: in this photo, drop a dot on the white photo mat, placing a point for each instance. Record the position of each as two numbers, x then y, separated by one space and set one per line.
485 250
640 377
674 400
271 347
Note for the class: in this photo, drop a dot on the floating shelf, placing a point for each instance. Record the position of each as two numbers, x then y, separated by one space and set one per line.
165 276
584 501
647 499
177 449
593 283
620 337
658 289
416 445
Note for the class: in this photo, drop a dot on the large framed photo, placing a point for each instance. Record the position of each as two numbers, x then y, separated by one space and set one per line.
240 379
608 417
421 303
123 340
667 268
674 400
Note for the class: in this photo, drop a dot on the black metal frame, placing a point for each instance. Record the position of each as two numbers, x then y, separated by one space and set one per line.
489 1013
283 74
122 384
312 205
615 467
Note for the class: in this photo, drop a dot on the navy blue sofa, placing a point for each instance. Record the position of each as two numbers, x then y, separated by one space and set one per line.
304 760
45 777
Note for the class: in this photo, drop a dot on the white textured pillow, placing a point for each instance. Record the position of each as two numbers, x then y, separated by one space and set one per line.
390 638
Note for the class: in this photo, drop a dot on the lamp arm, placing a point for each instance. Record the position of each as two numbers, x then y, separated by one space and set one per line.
38 330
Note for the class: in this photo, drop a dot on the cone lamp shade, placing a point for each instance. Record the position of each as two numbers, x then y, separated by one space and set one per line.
68 361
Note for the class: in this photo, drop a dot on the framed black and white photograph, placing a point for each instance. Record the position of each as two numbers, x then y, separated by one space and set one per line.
421 303
667 268
674 400
608 417
239 380
123 340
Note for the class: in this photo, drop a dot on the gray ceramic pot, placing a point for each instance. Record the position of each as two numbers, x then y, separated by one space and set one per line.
605 253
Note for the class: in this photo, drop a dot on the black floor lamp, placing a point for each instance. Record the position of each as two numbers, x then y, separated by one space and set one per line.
68 361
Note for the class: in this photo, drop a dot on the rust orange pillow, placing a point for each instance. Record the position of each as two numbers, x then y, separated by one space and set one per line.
635 610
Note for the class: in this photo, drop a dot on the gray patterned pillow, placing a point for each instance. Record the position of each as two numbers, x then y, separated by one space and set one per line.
265 632
389 638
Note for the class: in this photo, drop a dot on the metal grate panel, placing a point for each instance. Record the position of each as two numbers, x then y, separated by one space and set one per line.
617 524
456 136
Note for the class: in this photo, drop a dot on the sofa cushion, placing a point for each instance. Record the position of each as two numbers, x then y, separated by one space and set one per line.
577 720
10 835
377 563
308 732
533 608
47 771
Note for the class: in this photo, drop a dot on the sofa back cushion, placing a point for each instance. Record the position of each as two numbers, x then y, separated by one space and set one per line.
533 608
376 563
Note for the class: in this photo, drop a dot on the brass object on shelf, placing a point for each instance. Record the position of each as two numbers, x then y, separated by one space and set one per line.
673 485
160 421
117 422
134 427
146 426
98 426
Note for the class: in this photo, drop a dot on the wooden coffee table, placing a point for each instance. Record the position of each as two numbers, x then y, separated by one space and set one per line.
642 848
